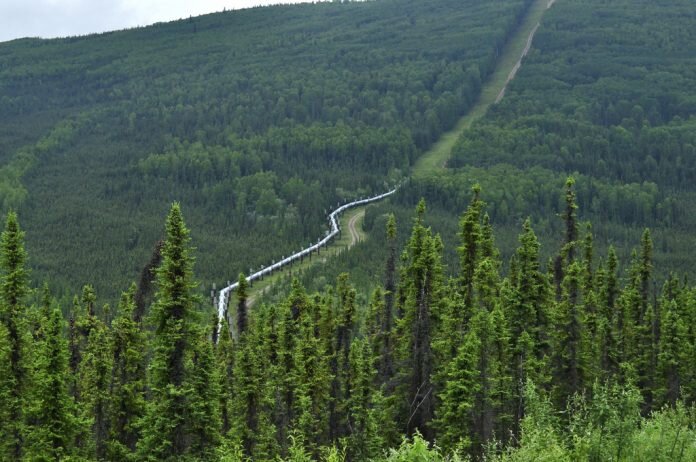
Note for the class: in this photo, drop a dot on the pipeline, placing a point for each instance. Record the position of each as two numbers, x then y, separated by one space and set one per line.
224 295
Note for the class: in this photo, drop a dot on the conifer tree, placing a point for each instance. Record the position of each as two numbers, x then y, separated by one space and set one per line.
166 433
476 385
242 296
672 360
50 414
470 234
457 397
7 441
389 286
203 418
364 436
13 290
571 224
128 379
420 289
568 327
224 353
526 298
567 254
344 331
311 379
273 413
252 402
646 319
94 408
607 315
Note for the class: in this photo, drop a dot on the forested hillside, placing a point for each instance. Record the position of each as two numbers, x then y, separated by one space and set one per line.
560 362
257 121
606 94
587 57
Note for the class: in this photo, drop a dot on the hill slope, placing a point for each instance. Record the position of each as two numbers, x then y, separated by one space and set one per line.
256 120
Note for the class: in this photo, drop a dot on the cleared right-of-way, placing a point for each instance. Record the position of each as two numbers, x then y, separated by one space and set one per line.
435 158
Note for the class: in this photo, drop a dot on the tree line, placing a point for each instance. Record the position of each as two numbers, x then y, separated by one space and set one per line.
563 360
222 111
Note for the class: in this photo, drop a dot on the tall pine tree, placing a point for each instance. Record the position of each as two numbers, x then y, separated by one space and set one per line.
13 290
166 431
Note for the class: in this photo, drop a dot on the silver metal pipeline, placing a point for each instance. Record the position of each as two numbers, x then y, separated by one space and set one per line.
225 293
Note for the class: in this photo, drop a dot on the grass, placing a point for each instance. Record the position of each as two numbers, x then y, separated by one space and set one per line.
436 157
337 246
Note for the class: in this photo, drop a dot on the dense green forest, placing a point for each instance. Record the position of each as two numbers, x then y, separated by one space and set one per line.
257 121
539 308
606 94
595 98
557 361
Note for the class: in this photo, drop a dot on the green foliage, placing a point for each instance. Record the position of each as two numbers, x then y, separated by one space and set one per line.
128 380
600 100
304 107
13 291
302 382
168 432
50 412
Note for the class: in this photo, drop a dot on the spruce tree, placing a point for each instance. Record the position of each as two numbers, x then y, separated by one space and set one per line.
364 433
420 292
13 290
94 408
530 312
672 358
470 234
242 296
224 352
127 390
7 441
569 358
166 432
311 380
252 401
50 413
343 336
203 418
389 290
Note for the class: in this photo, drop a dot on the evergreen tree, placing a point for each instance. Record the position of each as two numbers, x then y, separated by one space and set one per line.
94 408
166 432
128 379
528 313
387 316
50 413
568 327
607 314
344 331
224 353
420 291
13 290
571 224
672 358
7 441
203 417
242 296
252 400
365 435
312 380
470 234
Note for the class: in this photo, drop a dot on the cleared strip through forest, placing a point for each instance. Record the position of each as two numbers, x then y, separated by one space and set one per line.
492 91
510 57
335 229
